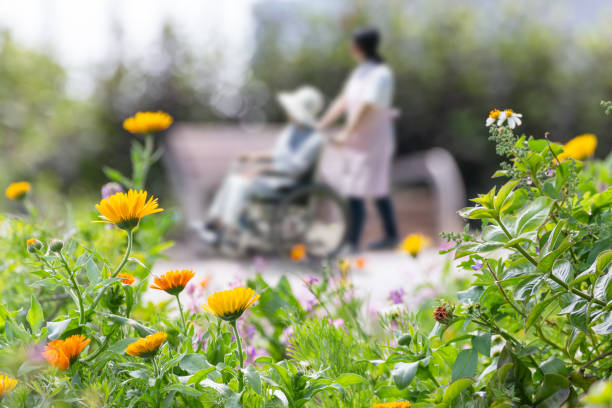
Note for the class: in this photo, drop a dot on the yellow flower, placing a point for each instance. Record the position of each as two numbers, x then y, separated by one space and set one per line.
298 252
147 122
414 244
579 148
126 209
6 385
146 347
18 190
397 404
173 282
230 304
62 353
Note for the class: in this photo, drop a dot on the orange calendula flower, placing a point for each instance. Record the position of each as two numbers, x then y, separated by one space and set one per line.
414 244
147 122
298 252
579 148
6 385
18 190
62 353
127 279
147 346
126 209
173 282
230 304
397 404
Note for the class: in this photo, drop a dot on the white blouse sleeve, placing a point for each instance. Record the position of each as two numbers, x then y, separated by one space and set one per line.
378 89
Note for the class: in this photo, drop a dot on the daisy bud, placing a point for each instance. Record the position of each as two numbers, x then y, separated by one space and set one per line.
33 245
56 245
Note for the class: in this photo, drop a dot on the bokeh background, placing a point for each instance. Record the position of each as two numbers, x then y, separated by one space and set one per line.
71 71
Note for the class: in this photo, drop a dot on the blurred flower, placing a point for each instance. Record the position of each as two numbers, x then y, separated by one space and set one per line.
147 122
147 346
235 283
173 282
550 173
127 278
18 190
110 189
259 263
298 252
344 266
338 323
477 265
360 263
396 296
6 385
230 304
413 244
205 282
443 313
126 210
312 280
397 404
528 180
493 117
62 353
33 245
393 311
579 148
513 118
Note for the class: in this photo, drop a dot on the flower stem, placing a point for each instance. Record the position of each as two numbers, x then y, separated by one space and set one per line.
126 256
240 356
182 315
76 288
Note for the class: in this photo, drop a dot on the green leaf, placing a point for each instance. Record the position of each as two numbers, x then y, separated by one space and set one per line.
603 287
453 390
482 344
183 389
546 263
347 379
537 310
120 346
465 365
503 193
555 386
604 327
531 216
55 329
35 315
603 260
404 373
553 366
253 379
193 362
93 272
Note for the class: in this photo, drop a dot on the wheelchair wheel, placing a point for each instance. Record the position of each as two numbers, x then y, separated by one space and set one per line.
315 216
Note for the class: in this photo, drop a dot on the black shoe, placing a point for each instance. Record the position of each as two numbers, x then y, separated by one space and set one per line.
385 243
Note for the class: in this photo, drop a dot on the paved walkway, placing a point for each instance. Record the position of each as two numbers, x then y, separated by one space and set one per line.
382 272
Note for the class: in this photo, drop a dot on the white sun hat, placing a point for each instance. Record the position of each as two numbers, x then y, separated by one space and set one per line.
303 104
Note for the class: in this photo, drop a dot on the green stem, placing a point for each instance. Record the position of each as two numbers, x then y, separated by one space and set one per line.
103 346
182 315
126 256
503 292
240 356
76 288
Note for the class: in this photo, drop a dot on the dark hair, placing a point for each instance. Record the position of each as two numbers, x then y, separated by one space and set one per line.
367 39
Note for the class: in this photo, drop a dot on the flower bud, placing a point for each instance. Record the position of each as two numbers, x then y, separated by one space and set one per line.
404 340
33 245
444 313
56 245
110 189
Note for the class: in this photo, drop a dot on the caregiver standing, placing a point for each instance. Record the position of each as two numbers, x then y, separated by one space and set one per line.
367 139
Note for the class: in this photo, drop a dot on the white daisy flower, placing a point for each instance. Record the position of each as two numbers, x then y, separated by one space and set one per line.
493 116
513 118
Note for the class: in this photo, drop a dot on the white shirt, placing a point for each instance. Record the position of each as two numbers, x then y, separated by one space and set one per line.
371 83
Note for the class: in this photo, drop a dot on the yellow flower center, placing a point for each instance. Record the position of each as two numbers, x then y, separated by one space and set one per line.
494 114
509 112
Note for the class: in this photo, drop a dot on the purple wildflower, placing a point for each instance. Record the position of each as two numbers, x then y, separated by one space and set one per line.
110 189
477 265
397 296
550 173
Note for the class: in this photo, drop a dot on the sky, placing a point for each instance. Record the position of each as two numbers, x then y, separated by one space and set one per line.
80 33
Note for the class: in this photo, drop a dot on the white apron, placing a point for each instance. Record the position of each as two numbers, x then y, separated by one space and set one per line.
364 165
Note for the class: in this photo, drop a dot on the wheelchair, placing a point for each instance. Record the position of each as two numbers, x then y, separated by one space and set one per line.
308 212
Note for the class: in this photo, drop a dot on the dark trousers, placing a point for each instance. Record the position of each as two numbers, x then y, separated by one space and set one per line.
358 217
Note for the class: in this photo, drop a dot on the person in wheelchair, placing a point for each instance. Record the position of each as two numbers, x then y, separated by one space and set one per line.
293 155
